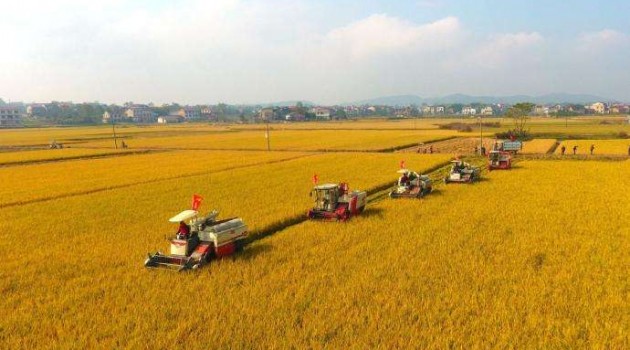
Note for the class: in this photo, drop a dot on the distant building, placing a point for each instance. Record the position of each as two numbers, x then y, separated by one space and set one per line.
295 116
208 114
169 119
10 116
432 110
469 111
321 113
486 111
115 114
189 113
266 114
140 114
598 108
38 110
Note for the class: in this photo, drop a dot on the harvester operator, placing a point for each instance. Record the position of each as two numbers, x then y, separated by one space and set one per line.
183 231
404 180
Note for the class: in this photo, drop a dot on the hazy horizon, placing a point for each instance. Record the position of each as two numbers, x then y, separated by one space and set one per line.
330 52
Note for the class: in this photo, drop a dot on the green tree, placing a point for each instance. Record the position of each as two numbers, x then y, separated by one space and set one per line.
519 113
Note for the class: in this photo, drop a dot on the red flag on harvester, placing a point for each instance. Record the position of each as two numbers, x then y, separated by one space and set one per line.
315 179
402 164
196 201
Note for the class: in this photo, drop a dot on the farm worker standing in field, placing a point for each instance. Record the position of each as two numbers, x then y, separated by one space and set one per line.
183 231
575 149
431 149
563 149
592 149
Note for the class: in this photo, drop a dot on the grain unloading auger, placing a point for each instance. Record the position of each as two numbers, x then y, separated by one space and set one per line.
206 238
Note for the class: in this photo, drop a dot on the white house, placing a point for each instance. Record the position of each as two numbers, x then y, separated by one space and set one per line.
321 113
169 119
469 111
10 116
598 107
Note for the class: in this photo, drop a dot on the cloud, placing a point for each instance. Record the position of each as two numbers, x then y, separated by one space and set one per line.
507 49
380 33
603 39
195 51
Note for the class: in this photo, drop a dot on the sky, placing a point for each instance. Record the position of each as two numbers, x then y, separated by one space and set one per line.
327 52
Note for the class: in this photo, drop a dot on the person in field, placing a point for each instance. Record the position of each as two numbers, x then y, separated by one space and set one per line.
575 150
563 149
431 149
592 149
183 231
404 180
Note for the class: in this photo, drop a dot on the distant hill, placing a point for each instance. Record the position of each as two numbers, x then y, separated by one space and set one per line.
400 100
405 100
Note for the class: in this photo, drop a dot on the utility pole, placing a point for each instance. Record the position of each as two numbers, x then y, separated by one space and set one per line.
268 136
114 131
480 134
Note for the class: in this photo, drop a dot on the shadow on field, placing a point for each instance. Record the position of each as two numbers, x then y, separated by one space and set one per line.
435 192
369 212
252 251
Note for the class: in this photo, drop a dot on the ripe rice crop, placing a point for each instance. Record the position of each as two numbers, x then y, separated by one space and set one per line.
44 181
70 135
534 265
602 147
538 146
296 140
19 157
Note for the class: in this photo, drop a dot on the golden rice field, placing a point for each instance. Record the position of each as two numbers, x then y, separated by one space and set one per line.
71 135
51 180
541 263
294 140
20 157
538 146
602 147
78 135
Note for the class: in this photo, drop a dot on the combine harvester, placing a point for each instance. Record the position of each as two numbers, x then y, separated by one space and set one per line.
411 185
499 160
335 202
200 240
462 172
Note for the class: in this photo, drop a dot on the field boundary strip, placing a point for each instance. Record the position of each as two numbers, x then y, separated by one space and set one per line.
73 158
116 187
391 149
553 148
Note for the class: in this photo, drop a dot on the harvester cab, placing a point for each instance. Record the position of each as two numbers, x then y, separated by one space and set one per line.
411 185
462 172
336 202
499 160
207 238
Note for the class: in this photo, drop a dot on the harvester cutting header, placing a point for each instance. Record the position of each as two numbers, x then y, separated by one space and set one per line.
200 239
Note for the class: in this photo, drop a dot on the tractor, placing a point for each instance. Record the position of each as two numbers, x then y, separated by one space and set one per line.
335 202
462 172
411 185
207 239
499 160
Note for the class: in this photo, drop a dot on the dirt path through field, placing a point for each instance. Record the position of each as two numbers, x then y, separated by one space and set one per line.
456 146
